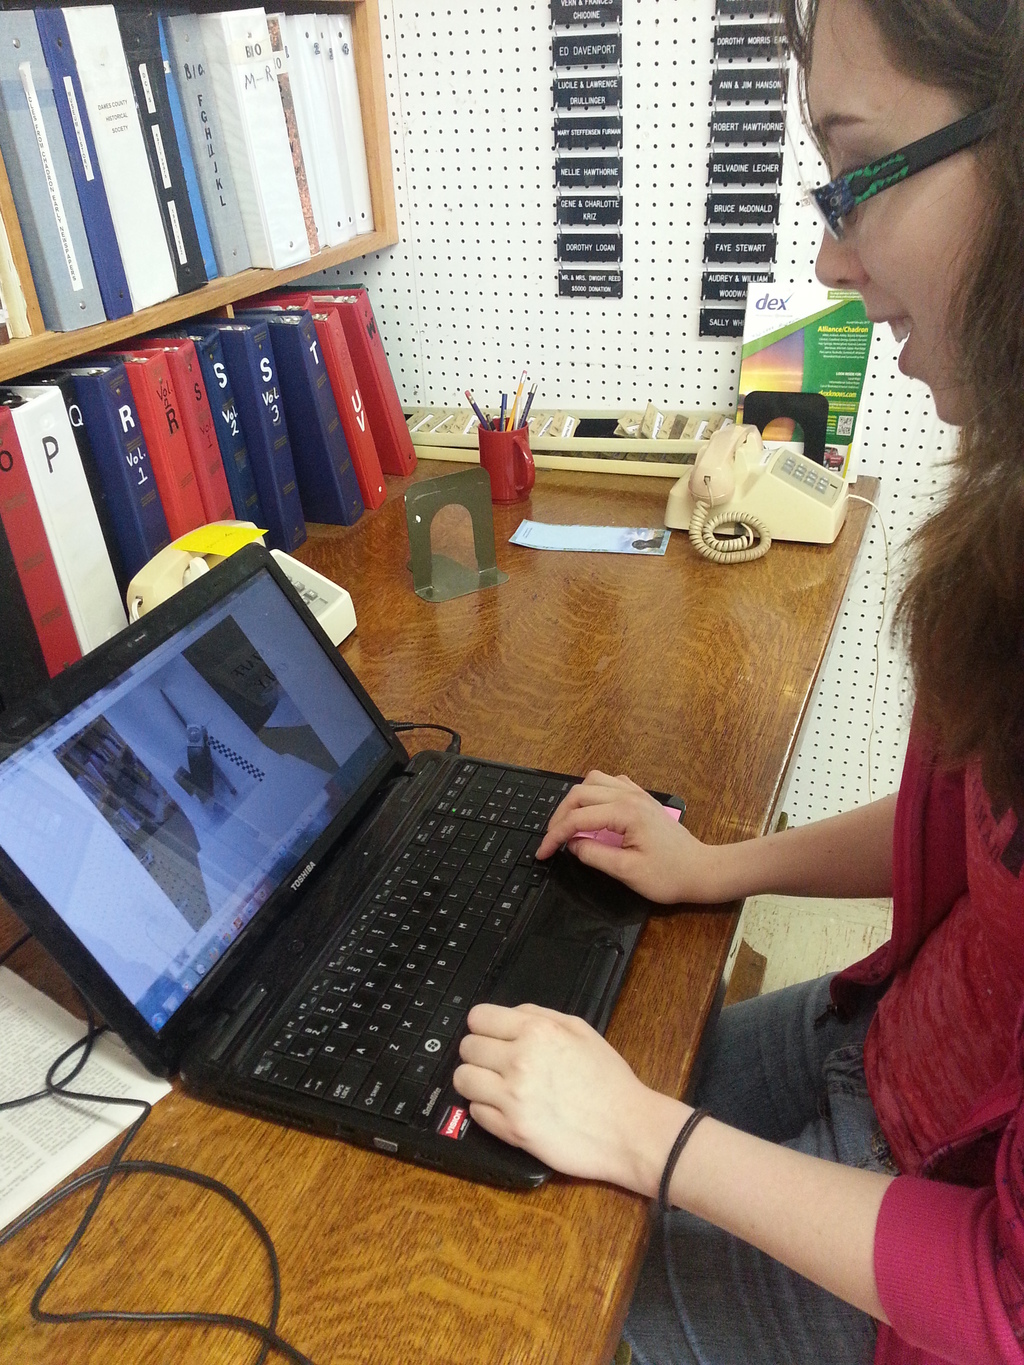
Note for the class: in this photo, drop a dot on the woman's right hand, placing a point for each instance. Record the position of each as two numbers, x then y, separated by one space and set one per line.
658 858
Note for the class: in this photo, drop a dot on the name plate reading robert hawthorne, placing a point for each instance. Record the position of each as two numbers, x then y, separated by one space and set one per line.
589 172
590 284
588 92
603 49
592 12
591 246
589 210
728 127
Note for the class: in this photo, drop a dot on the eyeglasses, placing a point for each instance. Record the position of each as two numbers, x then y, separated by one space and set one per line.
838 199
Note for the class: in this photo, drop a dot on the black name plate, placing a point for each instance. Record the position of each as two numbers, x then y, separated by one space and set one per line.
765 84
589 210
598 50
590 284
729 127
605 131
731 8
591 12
596 172
590 246
751 248
748 42
730 286
745 168
742 209
588 92
721 322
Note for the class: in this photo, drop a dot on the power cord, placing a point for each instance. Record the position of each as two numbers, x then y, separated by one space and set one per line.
117 1166
856 497
454 744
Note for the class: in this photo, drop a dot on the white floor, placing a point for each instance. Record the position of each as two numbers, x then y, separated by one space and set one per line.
803 939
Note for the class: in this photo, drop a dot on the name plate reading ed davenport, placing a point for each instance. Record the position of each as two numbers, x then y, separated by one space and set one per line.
598 172
581 12
745 168
732 9
603 49
589 246
589 210
588 92
765 84
748 42
603 131
752 247
721 322
730 286
769 126
590 284
743 209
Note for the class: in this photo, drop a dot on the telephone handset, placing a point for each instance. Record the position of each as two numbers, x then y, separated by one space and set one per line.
179 564
740 496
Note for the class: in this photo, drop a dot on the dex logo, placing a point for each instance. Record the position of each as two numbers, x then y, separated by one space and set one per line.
773 303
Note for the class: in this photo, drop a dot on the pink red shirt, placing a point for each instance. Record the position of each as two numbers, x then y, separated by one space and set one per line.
944 1061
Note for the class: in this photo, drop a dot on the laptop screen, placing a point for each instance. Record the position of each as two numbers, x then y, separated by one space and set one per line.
157 817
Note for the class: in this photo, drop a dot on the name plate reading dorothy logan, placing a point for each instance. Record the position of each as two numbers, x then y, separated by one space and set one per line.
745 168
588 92
590 246
593 50
589 210
769 126
581 12
590 284
748 42
742 248
762 84
604 130
743 209
591 172
730 286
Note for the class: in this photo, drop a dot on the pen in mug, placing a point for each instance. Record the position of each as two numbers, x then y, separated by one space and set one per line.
501 419
529 404
480 417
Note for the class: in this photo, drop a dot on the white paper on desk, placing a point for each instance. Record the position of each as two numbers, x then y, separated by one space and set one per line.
613 540
42 1143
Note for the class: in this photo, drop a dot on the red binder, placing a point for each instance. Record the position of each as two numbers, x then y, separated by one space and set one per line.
197 420
33 560
376 384
160 415
354 417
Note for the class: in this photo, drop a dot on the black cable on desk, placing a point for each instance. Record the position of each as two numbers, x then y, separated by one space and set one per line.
9 952
454 744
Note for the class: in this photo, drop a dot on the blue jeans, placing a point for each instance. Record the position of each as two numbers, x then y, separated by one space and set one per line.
706 1298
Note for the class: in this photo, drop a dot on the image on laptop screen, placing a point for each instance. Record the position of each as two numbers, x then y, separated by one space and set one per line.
157 817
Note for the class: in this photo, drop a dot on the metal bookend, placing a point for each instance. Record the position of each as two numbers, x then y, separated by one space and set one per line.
436 578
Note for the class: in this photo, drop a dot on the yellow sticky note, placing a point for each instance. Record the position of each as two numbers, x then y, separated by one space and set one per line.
218 540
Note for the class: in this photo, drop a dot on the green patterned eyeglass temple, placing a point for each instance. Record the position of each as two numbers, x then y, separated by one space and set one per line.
837 200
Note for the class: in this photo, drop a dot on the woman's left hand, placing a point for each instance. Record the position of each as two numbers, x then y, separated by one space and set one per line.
549 1083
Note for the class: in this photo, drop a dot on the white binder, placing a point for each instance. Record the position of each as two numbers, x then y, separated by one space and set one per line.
121 151
342 60
69 516
241 66
325 39
316 129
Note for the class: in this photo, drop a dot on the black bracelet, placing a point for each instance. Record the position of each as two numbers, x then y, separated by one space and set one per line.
673 1156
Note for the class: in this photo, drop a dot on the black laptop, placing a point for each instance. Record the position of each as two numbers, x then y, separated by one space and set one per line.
213 829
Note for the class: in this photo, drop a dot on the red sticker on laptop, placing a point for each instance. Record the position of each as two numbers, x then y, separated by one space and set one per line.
454 1123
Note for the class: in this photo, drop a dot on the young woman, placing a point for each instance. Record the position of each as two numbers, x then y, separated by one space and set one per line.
857 1190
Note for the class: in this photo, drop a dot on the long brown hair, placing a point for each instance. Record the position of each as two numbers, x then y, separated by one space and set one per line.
962 610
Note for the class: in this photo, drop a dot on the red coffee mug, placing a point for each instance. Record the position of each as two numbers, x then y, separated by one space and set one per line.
506 457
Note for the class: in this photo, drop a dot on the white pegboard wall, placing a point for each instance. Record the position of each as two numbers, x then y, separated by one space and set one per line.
469 296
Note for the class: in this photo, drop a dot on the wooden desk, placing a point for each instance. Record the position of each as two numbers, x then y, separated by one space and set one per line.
691 678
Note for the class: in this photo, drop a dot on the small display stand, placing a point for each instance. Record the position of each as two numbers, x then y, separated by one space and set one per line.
436 578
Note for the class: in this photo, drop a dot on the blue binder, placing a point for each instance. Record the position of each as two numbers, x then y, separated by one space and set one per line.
118 446
74 122
328 486
252 370
195 198
230 437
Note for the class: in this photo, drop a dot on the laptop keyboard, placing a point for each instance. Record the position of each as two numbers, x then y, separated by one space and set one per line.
375 1025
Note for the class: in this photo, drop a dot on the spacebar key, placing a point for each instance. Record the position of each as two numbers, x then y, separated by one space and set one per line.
462 992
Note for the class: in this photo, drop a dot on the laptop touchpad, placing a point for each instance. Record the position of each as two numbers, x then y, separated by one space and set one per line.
559 974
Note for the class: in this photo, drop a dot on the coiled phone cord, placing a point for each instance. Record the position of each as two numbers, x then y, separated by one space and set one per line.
752 542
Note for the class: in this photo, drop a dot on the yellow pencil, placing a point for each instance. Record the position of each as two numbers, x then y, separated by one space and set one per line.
511 423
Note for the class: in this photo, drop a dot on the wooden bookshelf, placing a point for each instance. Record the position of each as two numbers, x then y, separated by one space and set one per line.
21 356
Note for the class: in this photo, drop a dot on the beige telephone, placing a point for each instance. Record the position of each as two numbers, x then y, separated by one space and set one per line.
740 496
178 564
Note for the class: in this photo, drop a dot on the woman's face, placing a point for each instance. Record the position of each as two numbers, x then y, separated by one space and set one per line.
905 250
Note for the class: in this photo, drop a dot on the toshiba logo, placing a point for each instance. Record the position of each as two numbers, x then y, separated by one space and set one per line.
302 876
